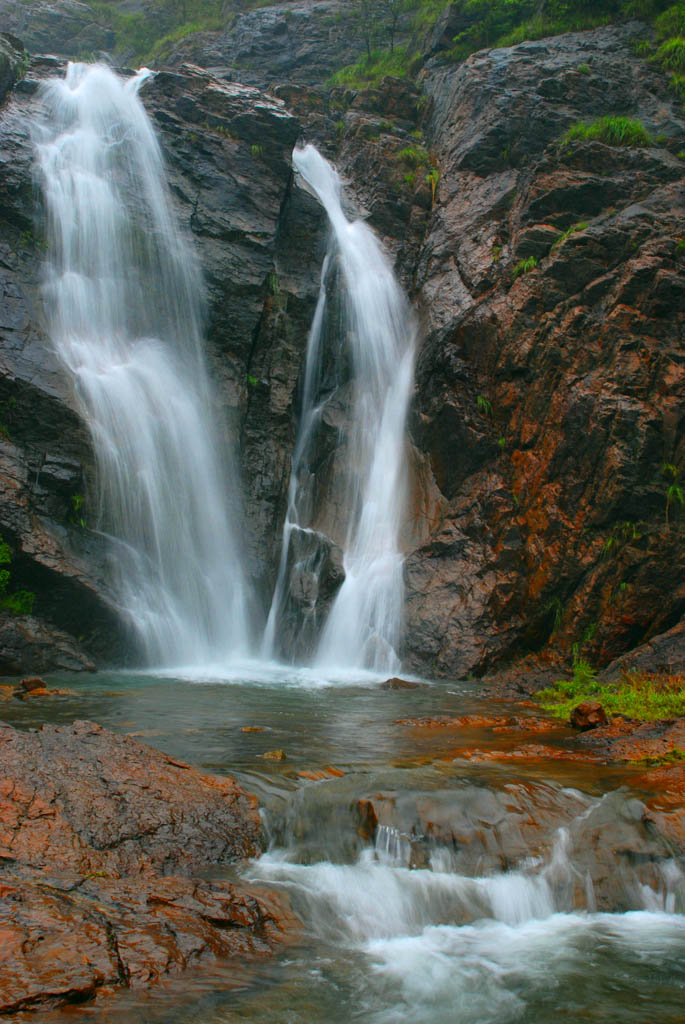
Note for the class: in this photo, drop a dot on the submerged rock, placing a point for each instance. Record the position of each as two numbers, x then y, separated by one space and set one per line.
101 843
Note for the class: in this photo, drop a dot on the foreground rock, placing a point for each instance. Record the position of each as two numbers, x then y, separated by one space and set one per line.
588 715
101 843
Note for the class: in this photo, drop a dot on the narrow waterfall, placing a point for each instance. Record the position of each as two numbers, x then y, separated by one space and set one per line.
123 299
364 625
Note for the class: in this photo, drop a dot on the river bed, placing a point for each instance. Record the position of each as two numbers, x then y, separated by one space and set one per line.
429 888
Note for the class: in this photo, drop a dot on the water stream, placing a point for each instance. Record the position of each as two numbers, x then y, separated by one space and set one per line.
364 626
123 299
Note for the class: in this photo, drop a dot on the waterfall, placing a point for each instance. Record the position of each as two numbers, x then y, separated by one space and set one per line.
364 625
123 298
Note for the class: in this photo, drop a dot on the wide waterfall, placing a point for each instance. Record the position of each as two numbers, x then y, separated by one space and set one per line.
124 303
364 626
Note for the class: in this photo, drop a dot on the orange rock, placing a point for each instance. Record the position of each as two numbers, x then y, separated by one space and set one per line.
252 728
122 833
318 774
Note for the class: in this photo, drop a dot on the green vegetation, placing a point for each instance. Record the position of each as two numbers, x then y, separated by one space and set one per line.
484 404
674 492
508 22
373 66
573 230
148 35
556 606
611 130
432 179
76 511
19 602
524 267
621 534
257 152
413 156
636 695
674 756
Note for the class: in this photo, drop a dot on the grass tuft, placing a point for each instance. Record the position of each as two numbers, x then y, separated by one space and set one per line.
524 267
611 130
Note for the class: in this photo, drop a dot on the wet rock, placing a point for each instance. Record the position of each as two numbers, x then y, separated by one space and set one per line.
300 43
625 739
399 684
588 715
101 840
63 27
32 683
663 654
558 460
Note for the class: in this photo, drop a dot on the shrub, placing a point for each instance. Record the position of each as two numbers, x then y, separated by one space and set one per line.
611 130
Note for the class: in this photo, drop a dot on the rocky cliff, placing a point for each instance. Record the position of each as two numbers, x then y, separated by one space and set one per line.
549 379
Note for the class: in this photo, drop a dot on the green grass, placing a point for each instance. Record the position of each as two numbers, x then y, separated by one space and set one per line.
524 267
611 130
484 404
367 72
413 156
636 695
674 756
573 230
671 54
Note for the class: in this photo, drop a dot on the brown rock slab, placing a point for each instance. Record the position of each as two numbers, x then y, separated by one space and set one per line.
101 840
588 715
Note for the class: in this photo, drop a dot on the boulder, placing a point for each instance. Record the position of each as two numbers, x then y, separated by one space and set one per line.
588 715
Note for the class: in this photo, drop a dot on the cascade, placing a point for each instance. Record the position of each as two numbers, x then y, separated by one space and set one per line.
124 298
364 625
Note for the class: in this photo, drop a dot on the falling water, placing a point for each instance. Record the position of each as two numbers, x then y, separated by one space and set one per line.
364 626
123 297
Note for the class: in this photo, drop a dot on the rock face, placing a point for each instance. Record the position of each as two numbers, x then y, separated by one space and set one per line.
101 845
300 43
63 27
547 401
